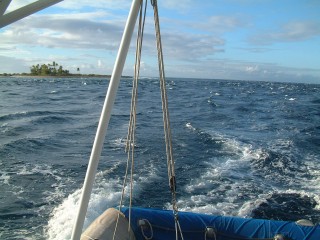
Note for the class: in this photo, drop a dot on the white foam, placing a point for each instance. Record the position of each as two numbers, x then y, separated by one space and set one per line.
4 178
312 184
247 208
106 193
208 195
60 224
4 127
189 126
62 218
41 169
120 142
51 195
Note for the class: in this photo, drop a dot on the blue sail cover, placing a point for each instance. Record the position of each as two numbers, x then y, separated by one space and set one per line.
194 226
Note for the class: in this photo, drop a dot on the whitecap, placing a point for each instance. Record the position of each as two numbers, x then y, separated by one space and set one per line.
189 126
5 178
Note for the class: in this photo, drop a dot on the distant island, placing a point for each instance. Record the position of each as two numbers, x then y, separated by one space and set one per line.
52 70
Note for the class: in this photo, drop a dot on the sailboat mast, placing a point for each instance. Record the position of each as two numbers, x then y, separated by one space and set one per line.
104 119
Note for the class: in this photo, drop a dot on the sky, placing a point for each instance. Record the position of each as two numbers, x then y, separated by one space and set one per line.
263 40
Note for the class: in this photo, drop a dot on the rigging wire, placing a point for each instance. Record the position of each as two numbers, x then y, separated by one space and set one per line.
166 122
131 136
130 142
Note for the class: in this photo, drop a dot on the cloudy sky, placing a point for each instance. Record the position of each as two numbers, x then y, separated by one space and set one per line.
272 40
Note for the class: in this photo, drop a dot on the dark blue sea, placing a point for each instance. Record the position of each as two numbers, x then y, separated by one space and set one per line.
241 148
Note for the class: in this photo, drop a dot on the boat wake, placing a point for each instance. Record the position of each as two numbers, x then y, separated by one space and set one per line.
106 193
250 181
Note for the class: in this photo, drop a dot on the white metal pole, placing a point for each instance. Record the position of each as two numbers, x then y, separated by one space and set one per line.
3 6
104 119
25 11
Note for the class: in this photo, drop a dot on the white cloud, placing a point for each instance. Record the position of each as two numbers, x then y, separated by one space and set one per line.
242 70
291 32
11 64
81 31
100 64
185 47
99 4
252 68
87 33
220 23
79 4
63 32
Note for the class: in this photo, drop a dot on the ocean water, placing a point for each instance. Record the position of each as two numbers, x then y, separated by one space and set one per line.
241 148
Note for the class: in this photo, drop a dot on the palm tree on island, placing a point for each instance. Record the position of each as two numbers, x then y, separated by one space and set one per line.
48 70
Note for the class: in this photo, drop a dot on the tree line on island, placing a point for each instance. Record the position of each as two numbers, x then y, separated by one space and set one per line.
53 69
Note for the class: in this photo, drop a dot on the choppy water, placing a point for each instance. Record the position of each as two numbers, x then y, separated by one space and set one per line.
248 149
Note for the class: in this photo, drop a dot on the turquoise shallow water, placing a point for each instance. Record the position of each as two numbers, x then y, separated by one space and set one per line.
241 148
